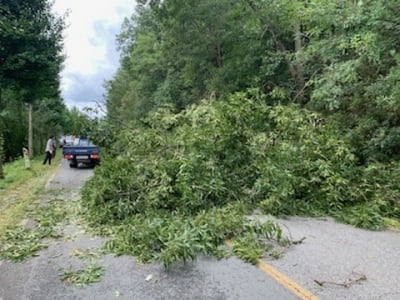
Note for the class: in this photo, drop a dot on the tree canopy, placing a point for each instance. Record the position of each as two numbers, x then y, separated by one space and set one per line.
31 59
336 57
229 107
30 51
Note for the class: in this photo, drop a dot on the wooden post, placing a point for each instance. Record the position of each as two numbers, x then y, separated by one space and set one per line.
1 158
299 63
26 157
1 147
1 169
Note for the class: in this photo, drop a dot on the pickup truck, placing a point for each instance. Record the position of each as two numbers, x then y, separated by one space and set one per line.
81 152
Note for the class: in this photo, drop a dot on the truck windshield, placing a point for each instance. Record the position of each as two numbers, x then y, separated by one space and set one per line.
83 142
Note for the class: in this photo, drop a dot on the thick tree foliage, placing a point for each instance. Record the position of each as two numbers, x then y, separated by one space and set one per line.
30 51
290 107
337 57
178 53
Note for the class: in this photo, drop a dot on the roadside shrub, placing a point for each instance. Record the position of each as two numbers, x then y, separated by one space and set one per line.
164 188
362 216
303 165
378 187
221 152
188 162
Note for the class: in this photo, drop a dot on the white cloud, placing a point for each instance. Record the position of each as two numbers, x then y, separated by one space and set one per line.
90 46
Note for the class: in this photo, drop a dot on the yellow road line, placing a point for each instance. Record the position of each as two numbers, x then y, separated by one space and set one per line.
298 290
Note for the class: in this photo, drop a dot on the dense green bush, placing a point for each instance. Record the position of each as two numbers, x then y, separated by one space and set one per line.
378 187
303 164
187 162
157 236
159 180
219 152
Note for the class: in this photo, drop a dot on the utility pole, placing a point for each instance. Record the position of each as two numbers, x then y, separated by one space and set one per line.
30 133
299 62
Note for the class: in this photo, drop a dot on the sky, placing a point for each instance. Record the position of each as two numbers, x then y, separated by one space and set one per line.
90 47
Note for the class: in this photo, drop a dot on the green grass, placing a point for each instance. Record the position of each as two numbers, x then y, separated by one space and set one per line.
392 223
15 173
20 194
21 187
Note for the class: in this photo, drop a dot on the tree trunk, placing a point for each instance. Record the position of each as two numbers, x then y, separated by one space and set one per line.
296 67
1 149
30 134
299 74
1 158
217 47
1 169
218 55
279 44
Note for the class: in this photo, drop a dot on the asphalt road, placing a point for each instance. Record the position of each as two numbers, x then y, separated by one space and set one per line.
338 255
39 277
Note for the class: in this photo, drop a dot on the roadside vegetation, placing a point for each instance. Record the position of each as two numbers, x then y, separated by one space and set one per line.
21 188
226 113
23 197
20 191
32 57
224 109
187 181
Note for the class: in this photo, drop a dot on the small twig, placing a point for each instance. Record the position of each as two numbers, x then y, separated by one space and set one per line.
305 86
298 241
347 283
291 241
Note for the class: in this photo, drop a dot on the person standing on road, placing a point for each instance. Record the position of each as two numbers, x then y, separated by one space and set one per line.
49 150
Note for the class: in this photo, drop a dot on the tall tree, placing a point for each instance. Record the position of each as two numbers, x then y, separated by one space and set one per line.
1 157
179 53
354 51
30 51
